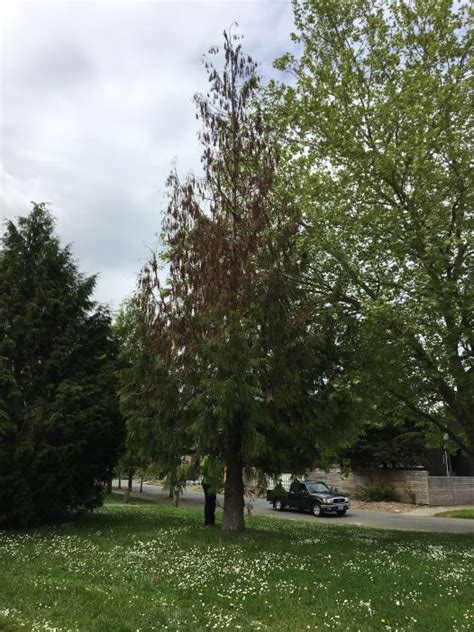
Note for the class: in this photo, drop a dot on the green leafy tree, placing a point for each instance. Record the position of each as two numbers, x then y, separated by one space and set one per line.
60 430
255 371
378 125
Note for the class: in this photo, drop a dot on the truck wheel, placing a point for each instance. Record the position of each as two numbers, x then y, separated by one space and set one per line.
278 504
316 510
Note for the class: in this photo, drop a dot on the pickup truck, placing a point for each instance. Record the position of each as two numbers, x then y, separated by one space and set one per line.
314 496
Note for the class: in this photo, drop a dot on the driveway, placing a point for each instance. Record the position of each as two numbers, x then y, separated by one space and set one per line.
362 518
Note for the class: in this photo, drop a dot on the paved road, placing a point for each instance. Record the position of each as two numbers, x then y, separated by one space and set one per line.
363 518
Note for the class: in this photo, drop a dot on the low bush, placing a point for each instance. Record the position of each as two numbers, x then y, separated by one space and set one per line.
377 493
278 492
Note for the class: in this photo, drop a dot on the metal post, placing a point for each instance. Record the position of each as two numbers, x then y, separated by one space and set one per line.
446 455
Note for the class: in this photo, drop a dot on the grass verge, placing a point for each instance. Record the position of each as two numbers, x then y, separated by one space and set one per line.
457 513
141 567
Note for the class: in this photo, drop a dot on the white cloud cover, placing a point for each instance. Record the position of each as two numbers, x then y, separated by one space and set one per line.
96 104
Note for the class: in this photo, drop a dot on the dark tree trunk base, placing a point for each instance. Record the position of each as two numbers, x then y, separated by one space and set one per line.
234 495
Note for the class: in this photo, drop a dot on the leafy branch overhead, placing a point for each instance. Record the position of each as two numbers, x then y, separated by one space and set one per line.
379 130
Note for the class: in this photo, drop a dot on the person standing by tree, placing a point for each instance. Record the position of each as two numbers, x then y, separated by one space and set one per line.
211 484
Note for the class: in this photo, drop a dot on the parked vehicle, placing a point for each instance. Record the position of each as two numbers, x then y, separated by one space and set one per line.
314 496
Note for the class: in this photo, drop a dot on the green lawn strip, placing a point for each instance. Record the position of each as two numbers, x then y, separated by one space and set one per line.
146 567
457 513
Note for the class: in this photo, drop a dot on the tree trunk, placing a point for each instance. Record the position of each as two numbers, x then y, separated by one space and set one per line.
108 484
233 519
120 480
130 479
141 485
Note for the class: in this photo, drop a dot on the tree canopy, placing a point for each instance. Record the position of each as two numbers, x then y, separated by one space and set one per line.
388 446
378 124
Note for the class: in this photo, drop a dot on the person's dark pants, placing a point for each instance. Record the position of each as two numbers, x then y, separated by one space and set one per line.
209 505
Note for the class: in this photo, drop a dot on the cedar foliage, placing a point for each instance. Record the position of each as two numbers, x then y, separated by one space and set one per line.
147 398
390 446
60 430
253 362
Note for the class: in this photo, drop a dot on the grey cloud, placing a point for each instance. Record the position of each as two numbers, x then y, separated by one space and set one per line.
97 104
56 72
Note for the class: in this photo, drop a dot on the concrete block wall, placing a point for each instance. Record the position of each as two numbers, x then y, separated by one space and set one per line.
408 484
453 490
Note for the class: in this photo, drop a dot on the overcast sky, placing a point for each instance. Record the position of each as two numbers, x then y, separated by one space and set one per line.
96 104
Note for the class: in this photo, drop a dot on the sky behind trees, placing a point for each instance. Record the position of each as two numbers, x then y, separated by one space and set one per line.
96 105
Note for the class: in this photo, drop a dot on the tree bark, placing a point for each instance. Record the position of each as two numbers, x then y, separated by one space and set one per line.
130 480
141 485
120 480
233 519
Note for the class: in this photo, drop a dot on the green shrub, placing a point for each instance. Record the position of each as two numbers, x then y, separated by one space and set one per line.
278 492
411 496
377 493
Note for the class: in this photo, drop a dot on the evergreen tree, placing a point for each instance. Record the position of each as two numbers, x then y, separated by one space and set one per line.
388 445
253 365
148 398
60 430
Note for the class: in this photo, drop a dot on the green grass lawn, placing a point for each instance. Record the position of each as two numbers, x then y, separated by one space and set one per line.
457 513
141 567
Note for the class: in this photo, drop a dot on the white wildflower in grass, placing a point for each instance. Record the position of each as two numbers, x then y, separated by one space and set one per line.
144 568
